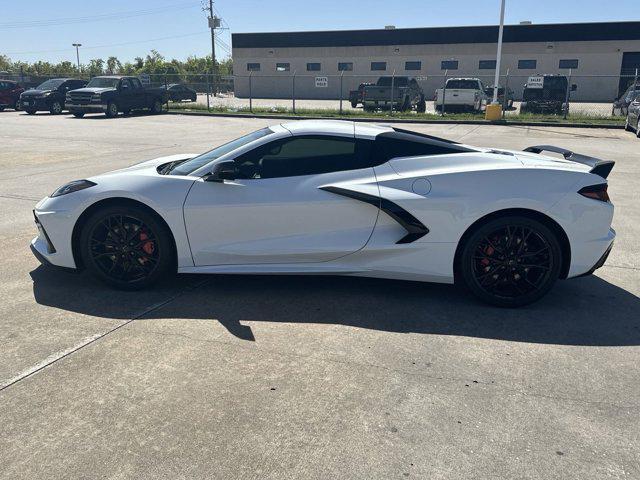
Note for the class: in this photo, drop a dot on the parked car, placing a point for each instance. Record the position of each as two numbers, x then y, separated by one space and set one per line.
49 95
546 94
178 93
115 93
356 97
507 103
461 94
10 94
343 198
404 92
621 105
633 115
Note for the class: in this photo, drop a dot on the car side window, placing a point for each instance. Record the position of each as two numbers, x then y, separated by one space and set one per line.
304 155
135 83
124 84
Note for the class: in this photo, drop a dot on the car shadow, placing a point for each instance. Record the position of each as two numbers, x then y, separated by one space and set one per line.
585 311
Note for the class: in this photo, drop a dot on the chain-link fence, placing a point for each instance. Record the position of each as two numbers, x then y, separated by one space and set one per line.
576 97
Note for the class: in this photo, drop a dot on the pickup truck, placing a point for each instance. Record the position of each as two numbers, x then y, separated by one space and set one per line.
115 93
461 94
405 95
356 97
546 94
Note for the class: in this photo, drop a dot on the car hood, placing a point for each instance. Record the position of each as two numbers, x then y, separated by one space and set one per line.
93 90
35 93
148 166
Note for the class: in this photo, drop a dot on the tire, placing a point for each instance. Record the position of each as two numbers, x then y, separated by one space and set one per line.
492 261
31 111
354 104
1 109
156 107
112 110
56 108
126 247
78 114
421 106
627 126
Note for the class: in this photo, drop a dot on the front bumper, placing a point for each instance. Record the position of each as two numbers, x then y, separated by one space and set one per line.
34 103
87 108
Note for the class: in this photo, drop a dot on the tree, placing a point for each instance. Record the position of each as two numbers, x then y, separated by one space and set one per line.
113 65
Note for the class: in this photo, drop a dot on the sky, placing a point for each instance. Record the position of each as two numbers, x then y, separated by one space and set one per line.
45 29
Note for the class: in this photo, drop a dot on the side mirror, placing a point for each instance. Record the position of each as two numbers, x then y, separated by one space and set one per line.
574 87
223 171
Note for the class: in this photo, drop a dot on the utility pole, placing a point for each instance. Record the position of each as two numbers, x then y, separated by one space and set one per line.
499 56
77 45
214 22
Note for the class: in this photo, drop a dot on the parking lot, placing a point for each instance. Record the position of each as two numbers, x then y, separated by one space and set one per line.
264 377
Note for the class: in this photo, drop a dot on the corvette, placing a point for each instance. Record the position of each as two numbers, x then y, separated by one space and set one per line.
340 198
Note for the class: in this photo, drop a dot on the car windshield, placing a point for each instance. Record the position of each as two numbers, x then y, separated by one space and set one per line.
103 82
463 84
195 163
50 84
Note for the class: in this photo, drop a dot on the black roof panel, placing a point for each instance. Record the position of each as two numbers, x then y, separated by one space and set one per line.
557 32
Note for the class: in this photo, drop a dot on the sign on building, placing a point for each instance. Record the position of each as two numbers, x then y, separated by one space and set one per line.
322 82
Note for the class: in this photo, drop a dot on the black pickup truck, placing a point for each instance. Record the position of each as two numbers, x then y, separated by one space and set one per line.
404 92
115 93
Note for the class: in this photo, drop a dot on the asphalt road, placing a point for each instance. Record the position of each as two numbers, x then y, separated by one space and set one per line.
297 377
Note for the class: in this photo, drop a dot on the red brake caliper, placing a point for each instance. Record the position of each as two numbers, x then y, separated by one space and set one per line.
147 247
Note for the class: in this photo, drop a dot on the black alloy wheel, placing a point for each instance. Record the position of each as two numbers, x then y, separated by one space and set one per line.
126 247
56 108
112 110
156 107
511 261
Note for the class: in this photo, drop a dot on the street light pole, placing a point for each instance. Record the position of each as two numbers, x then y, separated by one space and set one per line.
77 45
498 55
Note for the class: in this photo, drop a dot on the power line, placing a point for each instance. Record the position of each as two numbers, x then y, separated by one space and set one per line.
110 45
97 18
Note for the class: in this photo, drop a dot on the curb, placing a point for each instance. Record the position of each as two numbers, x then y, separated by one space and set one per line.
398 120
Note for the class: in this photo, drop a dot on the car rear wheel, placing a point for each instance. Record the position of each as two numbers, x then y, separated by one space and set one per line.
126 247
56 108
112 110
156 107
511 261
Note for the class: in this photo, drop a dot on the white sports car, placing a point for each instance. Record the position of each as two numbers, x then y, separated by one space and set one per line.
340 198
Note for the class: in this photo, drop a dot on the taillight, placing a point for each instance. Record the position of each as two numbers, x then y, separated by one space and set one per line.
596 192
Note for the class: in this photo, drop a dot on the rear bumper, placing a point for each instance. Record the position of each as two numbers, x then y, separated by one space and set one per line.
600 262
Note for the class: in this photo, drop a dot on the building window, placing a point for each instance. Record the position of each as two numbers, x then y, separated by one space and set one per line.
313 67
378 66
570 63
527 64
449 65
413 65
487 65
253 67
345 66
283 67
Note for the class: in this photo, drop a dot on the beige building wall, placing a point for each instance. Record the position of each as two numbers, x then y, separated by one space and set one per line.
597 76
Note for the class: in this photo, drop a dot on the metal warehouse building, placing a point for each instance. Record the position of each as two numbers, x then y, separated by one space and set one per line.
602 58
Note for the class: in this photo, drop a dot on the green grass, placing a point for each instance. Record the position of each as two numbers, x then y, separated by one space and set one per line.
348 113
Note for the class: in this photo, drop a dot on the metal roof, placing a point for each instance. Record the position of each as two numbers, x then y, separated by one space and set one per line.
558 32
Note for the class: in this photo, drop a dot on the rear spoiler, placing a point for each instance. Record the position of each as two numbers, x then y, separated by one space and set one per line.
598 166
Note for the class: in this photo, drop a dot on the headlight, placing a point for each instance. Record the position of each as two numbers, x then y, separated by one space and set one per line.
70 187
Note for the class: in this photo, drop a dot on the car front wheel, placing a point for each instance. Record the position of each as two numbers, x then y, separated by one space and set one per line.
126 247
112 110
56 108
156 107
511 261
